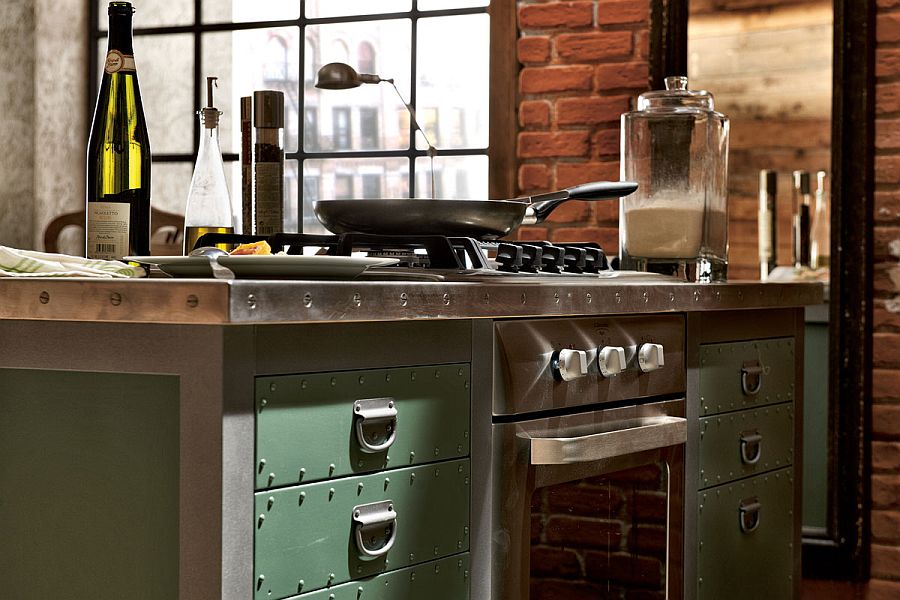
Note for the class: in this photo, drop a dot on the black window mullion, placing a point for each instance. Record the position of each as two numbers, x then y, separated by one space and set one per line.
198 70
301 115
414 33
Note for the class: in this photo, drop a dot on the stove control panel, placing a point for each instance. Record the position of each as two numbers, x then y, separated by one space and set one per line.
651 357
611 360
569 364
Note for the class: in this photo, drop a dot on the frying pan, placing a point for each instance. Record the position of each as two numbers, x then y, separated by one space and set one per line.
481 219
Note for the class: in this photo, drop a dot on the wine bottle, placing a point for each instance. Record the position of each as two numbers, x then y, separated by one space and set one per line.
768 210
118 155
208 203
820 232
801 203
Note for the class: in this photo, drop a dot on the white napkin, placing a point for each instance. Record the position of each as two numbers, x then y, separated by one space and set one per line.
28 263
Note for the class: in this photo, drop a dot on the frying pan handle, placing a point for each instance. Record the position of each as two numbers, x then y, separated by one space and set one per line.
543 204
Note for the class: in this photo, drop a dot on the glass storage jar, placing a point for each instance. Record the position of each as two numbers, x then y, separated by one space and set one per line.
675 146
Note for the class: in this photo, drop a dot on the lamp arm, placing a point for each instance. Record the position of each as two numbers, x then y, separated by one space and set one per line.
431 149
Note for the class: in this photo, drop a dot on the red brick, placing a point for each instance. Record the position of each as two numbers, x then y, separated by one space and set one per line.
530 233
885 384
886 491
885 561
886 525
605 143
887 169
583 532
623 11
534 178
534 49
606 213
887 62
885 320
538 80
554 562
887 133
537 528
884 284
887 4
556 14
565 590
564 143
886 456
624 568
887 97
591 47
886 243
887 28
590 111
622 75
887 207
642 44
886 419
886 350
569 174
534 114
583 499
571 213
650 506
607 237
650 475
647 539
883 590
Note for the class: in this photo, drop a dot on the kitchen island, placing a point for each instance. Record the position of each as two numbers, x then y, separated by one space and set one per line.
141 461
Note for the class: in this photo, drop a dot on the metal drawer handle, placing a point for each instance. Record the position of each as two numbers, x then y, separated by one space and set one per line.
751 447
749 514
650 433
751 378
375 528
376 424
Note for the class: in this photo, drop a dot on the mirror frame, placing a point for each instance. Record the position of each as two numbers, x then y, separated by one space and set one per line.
843 551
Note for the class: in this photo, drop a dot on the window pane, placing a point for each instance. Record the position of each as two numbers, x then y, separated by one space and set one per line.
446 4
338 8
242 11
462 177
378 119
152 13
452 99
169 184
351 178
291 193
255 59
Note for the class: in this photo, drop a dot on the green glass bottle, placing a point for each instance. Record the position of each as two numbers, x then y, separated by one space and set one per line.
118 156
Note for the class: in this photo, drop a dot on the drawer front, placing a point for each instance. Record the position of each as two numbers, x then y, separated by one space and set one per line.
307 536
741 375
445 579
308 427
744 443
747 565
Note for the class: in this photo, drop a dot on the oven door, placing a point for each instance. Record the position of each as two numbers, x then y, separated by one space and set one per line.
590 505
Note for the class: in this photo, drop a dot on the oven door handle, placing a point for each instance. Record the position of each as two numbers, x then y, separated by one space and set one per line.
653 433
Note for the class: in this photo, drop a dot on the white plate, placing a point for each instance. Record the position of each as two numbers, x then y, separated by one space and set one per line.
273 266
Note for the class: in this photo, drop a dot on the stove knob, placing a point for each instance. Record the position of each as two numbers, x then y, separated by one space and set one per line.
569 364
650 357
611 360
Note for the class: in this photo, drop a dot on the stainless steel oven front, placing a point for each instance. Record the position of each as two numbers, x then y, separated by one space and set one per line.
578 477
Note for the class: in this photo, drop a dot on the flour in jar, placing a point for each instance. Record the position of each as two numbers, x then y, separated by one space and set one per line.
671 227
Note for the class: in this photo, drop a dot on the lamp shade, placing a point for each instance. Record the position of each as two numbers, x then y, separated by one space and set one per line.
337 76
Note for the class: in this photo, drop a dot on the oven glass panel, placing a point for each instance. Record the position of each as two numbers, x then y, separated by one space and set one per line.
602 537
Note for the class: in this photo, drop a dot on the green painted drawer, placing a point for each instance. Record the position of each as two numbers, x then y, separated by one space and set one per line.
306 425
740 444
722 378
306 535
740 565
445 579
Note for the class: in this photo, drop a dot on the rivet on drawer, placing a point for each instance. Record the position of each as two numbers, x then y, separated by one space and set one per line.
301 498
359 489
270 502
301 474
387 481
259 521
412 457
330 494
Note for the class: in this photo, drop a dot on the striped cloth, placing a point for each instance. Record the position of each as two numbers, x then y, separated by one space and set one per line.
28 263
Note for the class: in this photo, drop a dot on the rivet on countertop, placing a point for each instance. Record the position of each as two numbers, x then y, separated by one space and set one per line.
671 297
404 299
192 301
115 298
618 298
251 301
646 297
556 297
696 296
486 298
44 297
589 297
357 299
524 298
446 298
307 299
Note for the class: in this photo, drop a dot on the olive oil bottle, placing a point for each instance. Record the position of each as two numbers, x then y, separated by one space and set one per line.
118 154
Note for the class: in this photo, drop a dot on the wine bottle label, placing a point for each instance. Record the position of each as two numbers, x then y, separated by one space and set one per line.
117 62
765 235
107 229
269 188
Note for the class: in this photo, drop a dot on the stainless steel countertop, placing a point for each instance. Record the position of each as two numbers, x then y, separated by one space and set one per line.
377 297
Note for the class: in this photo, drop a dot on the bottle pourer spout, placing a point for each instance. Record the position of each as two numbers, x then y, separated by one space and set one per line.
209 113
211 82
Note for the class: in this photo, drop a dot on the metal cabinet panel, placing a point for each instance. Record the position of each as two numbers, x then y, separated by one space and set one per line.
741 375
744 443
306 426
306 536
445 579
747 565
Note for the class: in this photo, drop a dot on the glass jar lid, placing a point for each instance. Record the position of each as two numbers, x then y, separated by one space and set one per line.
676 95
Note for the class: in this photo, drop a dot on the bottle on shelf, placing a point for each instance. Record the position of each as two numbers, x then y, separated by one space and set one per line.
208 203
801 203
768 236
268 161
820 234
117 206
246 165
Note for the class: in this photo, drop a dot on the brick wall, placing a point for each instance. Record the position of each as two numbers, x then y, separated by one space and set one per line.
886 344
583 63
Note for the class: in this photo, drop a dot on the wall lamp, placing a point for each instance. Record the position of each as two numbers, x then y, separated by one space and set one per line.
340 76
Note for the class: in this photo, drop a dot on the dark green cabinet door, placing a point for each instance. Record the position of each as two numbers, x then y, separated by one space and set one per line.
742 375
